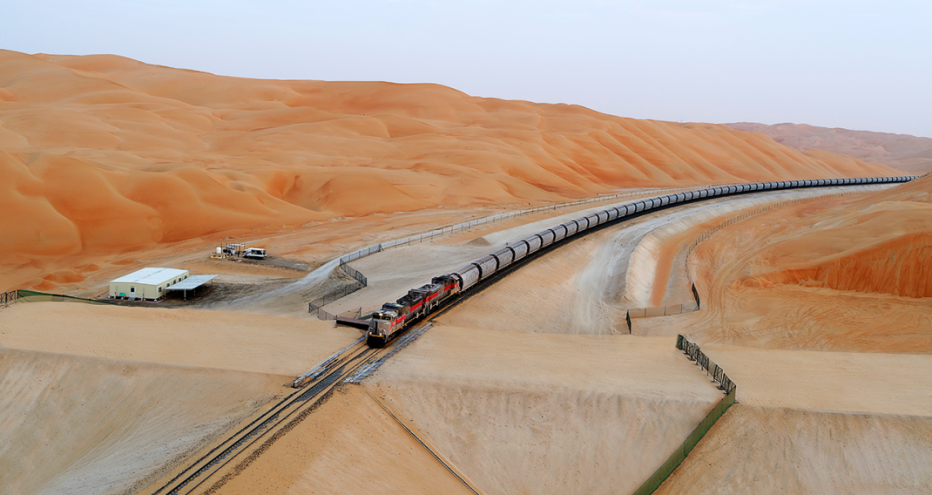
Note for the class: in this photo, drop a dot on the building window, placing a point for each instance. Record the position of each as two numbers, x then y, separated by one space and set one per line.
132 289
160 289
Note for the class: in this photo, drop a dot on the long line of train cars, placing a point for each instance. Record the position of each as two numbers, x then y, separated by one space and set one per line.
394 317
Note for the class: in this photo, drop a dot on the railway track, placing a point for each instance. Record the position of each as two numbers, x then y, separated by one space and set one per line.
358 360
250 437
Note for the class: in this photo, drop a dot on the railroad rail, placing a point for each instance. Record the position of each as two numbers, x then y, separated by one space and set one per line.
358 360
393 317
274 422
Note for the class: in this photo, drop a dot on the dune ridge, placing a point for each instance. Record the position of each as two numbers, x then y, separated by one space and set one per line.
102 154
896 258
910 154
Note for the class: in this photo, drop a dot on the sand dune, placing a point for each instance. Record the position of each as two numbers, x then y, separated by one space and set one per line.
72 424
910 154
161 155
896 258
841 274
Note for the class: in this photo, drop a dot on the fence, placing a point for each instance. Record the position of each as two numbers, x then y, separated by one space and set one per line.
669 310
356 274
362 253
317 305
7 298
34 296
693 352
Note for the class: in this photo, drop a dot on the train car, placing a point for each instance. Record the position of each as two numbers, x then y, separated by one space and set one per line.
504 257
487 266
559 233
571 228
533 244
393 317
468 276
520 249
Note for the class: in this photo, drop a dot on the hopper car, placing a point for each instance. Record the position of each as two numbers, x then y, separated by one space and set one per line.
392 318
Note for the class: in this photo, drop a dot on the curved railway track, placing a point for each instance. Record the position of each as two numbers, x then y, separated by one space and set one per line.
348 362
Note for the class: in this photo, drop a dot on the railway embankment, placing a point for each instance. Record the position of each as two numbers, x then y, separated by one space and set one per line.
80 424
574 414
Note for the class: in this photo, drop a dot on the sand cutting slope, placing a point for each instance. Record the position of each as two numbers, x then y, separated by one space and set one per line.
586 286
349 445
150 145
207 339
839 274
393 272
769 451
517 413
71 424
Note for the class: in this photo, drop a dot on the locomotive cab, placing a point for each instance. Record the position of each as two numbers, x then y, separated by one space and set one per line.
383 323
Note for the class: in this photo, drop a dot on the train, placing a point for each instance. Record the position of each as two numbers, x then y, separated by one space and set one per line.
393 317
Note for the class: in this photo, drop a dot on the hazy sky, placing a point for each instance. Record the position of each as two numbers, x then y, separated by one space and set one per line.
854 64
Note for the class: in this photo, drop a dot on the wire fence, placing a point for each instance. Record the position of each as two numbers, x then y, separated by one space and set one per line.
679 455
362 253
356 274
694 353
23 295
8 298
317 305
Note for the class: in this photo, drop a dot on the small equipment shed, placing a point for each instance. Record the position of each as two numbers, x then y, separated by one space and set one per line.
192 284
149 284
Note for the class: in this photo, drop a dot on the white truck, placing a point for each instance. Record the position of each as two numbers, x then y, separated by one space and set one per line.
254 253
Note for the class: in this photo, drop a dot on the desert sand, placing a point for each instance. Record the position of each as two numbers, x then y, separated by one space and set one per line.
587 285
910 154
754 449
350 445
74 424
818 310
148 145
564 414
182 337
857 285
828 333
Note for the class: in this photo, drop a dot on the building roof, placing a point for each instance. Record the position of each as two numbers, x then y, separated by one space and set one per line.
192 282
151 276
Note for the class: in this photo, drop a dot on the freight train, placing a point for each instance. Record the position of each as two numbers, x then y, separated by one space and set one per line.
394 317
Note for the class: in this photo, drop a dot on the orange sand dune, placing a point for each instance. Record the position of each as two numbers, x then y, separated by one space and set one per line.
842 274
910 154
102 155
881 244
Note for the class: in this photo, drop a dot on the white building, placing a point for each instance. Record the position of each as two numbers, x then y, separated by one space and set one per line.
149 284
